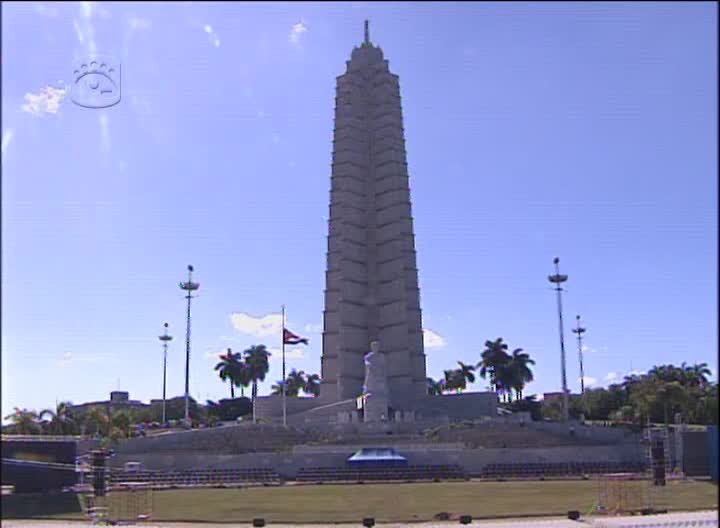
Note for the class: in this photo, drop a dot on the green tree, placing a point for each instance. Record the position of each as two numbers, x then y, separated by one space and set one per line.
434 388
312 385
467 373
25 422
62 421
453 380
120 424
295 382
97 421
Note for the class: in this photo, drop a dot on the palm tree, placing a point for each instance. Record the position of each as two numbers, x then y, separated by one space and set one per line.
697 374
494 357
312 385
434 388
257 361
454 380
520 373
277 388
24 421
61 419
228 369
120 424
242 377
97 421
466 371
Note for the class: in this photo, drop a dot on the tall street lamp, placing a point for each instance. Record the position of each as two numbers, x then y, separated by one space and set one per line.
164 339
558 279
189 287
580 331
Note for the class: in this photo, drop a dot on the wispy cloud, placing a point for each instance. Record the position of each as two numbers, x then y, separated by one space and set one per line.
85 30
290 353
212 34
230 339
104 132
69 359
433 339
214 353
612 376
267 325
45 10
139 23
276 138
589 381
46 102
6 139
297 32
314 329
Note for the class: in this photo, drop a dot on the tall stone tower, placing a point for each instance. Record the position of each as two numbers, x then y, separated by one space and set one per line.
372 279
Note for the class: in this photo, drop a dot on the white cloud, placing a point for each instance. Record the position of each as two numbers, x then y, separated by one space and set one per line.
46 102
78 32
138 23
268 325
214 353
230 339
104 132
589 381
46 10
612 376
6 139
432 339
68 359
214 39
86 9
314 329
290 353
296 32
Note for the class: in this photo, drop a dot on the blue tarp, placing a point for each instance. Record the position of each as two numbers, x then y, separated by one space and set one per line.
377 456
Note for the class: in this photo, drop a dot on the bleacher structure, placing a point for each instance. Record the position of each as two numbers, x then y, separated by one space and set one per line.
558 469
362 474
195 477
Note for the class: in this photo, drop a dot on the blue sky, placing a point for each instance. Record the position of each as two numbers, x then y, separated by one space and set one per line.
583 130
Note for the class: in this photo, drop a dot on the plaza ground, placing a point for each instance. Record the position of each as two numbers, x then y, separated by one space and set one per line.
406 502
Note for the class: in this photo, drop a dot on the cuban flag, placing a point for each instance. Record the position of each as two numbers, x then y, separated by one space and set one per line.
291 339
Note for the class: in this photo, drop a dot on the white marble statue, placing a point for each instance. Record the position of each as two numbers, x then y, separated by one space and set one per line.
375 390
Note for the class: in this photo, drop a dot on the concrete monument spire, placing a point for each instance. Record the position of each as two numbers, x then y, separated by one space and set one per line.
371 279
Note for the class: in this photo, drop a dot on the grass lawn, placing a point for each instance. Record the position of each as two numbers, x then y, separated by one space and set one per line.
401 502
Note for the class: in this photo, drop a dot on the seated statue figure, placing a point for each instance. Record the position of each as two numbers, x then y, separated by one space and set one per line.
375 390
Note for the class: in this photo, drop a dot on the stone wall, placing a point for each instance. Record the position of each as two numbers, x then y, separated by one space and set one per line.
270 407
230 439
472 460
470 405
588 433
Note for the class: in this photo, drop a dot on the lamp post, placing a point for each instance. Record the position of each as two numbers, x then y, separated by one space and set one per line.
189 287
164 339
580 331
558 279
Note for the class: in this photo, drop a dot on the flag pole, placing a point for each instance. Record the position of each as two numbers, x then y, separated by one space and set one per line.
283 385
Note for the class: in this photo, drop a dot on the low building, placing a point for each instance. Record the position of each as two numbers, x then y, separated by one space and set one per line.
119 400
